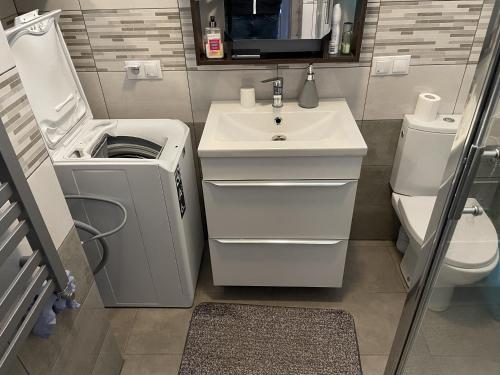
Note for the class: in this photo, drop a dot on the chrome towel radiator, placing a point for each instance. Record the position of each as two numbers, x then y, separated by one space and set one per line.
41 275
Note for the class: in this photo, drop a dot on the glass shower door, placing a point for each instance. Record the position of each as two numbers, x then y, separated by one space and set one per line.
460 330
451 318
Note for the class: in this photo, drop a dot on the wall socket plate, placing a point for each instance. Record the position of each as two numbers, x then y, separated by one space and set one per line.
147 69
390 65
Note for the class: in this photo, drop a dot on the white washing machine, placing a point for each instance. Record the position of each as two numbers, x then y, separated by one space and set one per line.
147 165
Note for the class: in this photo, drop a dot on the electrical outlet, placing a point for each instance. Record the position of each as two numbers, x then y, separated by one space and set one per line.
382 66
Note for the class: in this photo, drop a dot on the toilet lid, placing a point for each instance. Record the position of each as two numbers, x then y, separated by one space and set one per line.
474 243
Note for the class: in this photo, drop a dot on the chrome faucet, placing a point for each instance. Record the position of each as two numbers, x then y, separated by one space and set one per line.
277 91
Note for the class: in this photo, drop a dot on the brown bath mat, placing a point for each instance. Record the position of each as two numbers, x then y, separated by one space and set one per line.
250 340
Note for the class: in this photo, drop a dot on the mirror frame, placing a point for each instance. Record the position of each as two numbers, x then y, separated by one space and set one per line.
323 56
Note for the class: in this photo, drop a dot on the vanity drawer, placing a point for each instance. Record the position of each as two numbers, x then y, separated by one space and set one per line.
306 263
279 209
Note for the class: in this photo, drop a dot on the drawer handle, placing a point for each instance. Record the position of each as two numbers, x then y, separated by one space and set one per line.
279 183
278 242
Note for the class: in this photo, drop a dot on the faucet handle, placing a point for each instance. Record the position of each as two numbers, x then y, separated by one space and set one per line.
277 81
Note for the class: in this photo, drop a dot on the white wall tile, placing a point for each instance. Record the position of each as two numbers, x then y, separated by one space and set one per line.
50 199
166 98
391 97
207 86
6 59
93 92
7 8
464 88
28 5
127 4
349 83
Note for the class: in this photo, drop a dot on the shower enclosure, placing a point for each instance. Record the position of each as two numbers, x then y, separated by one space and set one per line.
463 338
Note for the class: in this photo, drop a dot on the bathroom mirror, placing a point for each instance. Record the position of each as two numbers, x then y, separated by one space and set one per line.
256 31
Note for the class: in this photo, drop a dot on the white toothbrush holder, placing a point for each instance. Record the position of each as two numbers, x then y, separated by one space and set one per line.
247 97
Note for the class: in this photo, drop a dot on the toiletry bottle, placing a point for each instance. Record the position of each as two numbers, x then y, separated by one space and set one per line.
309 98
333 48
345 48
214 47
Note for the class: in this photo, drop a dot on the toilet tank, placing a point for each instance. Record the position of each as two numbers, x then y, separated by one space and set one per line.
422 154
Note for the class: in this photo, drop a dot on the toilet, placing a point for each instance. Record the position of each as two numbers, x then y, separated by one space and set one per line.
419 164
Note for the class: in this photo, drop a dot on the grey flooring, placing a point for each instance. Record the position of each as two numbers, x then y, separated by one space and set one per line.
465 339
152 340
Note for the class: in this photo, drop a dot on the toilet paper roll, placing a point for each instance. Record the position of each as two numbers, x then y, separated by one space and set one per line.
427 106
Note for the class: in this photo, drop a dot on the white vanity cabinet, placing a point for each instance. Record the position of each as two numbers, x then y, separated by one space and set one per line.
273 222
280 209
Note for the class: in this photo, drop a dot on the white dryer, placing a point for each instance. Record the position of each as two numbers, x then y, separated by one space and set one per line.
147 165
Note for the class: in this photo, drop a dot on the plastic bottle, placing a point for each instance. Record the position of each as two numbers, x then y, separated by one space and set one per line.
333 47
214 47
346 39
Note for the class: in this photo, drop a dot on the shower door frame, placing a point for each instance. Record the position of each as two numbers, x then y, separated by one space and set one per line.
462 165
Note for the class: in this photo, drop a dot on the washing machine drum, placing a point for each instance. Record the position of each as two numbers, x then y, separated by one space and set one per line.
126 147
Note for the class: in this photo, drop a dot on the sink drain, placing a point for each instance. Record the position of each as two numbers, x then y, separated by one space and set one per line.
279 137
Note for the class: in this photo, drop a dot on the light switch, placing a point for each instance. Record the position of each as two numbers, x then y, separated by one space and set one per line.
149 69
390 65
401 64
152 69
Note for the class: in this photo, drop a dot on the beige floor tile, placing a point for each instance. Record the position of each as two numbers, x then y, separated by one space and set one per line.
159 331
462 331
373 364
376 316
422 365
164 364
122 321
373 293
461 365
371 269
397 257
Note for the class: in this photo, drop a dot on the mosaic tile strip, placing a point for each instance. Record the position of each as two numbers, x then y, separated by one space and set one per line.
369 31
75 35
22 128
188 37
135 34
482 25
433 32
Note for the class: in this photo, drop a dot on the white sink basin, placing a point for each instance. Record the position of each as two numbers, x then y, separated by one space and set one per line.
329 129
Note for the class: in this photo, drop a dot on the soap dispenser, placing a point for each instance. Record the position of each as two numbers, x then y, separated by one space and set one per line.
309 98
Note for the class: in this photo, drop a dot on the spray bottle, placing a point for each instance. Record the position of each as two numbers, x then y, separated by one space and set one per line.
333 47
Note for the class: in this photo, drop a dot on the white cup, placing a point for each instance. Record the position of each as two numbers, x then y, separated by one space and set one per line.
247 97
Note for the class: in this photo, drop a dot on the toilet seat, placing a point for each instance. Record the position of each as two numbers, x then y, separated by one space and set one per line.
474 243
416 214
